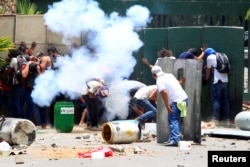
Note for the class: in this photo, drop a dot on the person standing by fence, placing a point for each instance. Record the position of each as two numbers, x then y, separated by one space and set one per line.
219 87
175 100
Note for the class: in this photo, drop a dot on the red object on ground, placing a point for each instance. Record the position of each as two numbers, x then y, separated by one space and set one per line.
107 152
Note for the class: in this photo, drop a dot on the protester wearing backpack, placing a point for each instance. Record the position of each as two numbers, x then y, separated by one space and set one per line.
16 96
30 71
5 90
219 87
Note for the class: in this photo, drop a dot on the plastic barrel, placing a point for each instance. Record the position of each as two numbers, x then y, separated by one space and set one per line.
64 116
121 132
242 120
17 131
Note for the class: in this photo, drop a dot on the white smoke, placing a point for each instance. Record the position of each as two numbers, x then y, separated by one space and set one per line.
113 38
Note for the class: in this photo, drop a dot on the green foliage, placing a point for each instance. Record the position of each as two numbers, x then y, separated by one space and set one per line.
1 10
247 15
26 7
6 44
3 64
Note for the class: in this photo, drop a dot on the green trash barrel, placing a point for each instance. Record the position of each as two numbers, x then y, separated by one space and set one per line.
64 116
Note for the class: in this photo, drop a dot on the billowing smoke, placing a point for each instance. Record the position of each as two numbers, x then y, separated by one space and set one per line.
110 41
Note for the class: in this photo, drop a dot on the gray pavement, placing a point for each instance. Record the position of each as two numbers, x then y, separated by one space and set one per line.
61 149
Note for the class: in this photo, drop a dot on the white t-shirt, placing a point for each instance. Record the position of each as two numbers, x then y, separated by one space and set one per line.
144 92
93 87
13 64
212 63
171 84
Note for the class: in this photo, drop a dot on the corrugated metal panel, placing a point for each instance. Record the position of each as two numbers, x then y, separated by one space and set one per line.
190 125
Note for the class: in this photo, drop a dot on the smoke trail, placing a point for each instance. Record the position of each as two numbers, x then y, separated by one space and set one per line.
113 39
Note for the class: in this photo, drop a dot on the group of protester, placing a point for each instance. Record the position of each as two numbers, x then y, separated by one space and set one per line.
17 82
17 89
174 96
143 100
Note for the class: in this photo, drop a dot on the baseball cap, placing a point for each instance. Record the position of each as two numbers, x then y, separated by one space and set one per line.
209 51
157 71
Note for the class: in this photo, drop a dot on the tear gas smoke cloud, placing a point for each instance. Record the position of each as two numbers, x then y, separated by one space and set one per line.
112 37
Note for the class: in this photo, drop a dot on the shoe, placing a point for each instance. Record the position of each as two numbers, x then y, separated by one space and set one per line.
141 123
166 142
171 143
95 128
82 125
216 122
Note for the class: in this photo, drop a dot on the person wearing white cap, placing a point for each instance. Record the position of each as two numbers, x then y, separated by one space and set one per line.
172 94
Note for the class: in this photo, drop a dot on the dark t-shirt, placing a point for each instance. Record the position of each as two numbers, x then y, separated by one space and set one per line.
186 55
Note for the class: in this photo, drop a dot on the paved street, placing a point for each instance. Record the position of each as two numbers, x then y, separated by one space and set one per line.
61 149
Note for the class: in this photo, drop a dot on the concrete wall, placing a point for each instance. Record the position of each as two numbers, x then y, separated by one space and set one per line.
29 28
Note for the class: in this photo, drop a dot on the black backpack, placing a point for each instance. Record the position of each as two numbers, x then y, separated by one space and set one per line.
223 64
8 79
18 72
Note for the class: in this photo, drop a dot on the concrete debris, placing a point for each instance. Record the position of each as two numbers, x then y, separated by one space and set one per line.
144 140
86 136
207 125
117 148
18 152
19 160
137 150
53 145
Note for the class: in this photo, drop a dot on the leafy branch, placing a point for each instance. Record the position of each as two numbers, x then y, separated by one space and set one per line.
6 44
26 7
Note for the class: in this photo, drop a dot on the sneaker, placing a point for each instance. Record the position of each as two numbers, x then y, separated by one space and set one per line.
141 123
226 123
215 121
95 128
166 142
171 143
82 125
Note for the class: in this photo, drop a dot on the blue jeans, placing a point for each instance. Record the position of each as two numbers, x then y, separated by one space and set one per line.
26 94
174 123
5 97
148 107
220 100
16 97
40 114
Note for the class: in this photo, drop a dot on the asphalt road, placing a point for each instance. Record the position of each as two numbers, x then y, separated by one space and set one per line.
52 149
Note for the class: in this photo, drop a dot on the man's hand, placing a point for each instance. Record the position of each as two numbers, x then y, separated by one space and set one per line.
181 80
145 61
170 111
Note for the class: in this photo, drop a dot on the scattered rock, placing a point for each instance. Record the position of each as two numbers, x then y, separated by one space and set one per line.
86 136
19 160
117 149
137 150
